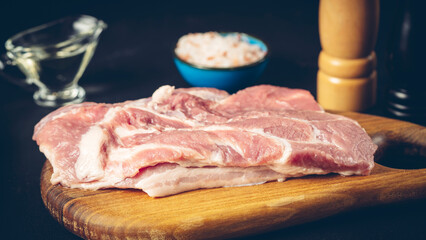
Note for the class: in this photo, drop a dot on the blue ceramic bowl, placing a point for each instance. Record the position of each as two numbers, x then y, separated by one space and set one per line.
228 79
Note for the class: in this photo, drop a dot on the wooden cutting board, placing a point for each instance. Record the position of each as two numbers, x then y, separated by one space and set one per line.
239 211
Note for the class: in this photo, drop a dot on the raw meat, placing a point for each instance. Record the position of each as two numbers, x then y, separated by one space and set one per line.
185 139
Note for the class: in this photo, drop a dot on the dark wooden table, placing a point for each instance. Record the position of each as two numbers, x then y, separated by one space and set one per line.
134 57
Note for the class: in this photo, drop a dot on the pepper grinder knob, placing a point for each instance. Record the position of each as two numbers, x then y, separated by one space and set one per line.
347 78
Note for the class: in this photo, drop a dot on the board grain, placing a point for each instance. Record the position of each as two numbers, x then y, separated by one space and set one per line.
239 211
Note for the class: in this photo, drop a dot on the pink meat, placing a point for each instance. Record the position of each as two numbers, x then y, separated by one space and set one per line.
266 97
186 139
59 133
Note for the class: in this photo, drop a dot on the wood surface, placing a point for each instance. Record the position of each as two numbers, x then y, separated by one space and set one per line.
239 211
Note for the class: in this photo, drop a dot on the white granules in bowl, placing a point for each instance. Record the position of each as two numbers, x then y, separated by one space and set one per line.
214 50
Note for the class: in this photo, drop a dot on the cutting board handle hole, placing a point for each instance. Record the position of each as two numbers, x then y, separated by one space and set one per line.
395 153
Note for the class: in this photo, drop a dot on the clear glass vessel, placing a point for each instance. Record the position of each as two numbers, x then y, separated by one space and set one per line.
53 56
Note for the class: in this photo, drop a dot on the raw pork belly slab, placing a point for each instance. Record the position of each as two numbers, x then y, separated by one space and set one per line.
185 139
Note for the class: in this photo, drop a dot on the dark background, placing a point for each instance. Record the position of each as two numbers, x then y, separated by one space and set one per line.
134 57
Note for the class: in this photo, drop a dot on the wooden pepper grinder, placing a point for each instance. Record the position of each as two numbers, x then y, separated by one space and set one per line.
347 78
